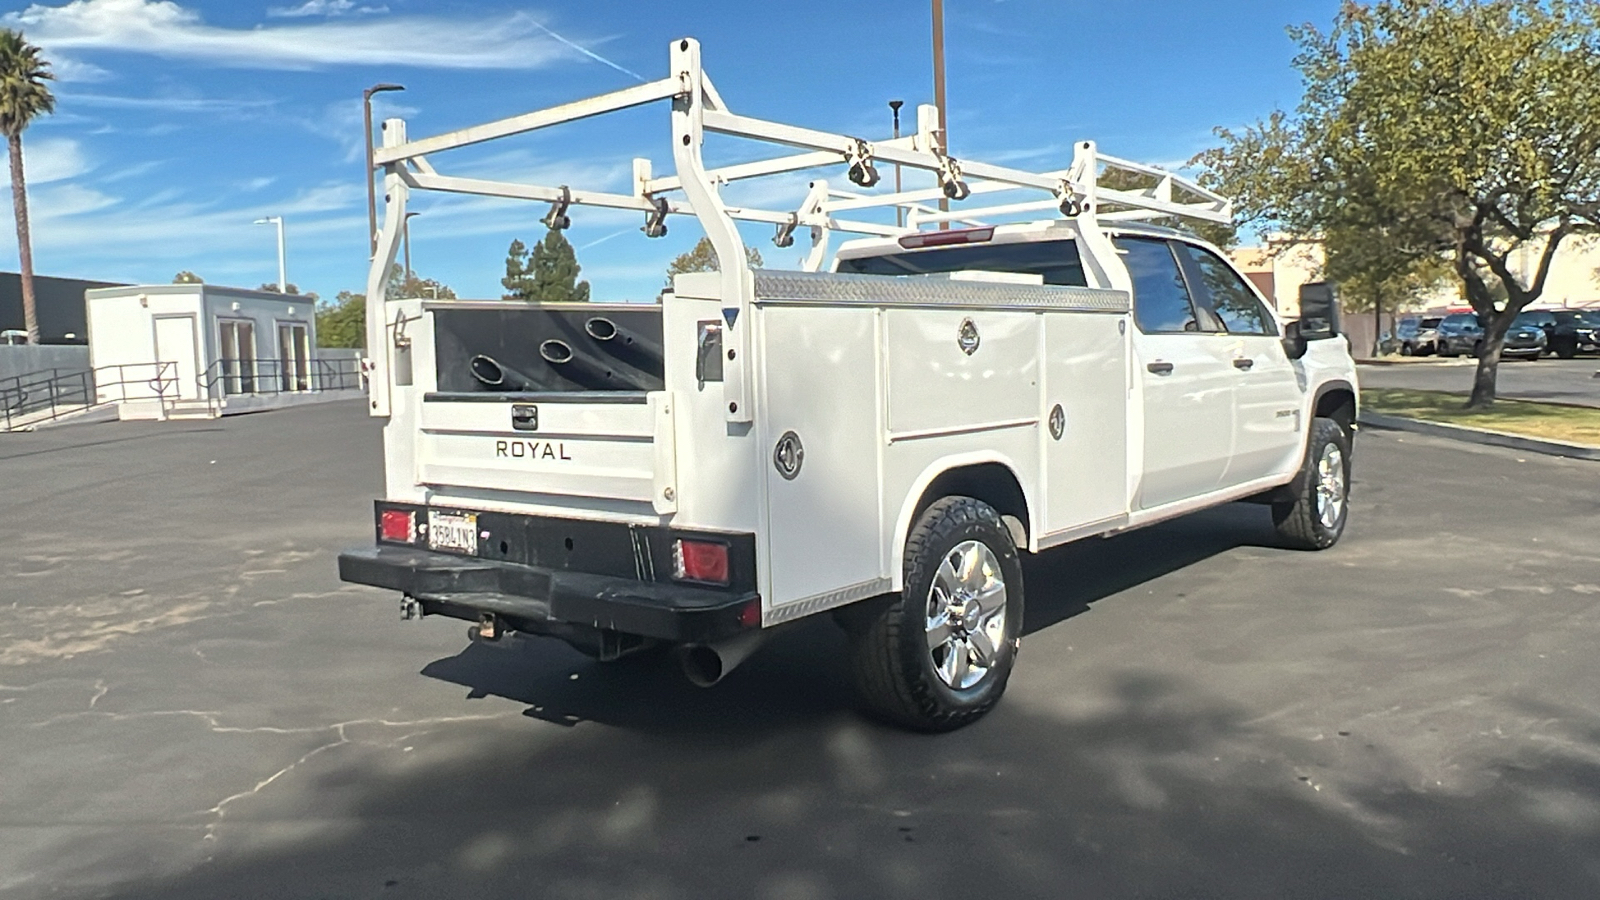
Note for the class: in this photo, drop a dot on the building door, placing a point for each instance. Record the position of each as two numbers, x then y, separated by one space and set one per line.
1186 377
237 361
175 343
294 357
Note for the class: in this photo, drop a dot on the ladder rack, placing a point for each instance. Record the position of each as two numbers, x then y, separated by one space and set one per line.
695 189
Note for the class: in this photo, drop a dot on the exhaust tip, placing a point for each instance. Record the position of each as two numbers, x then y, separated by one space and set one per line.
601 328
556 352
702 665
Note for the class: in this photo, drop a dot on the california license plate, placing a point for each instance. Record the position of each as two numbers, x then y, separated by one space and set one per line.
453 532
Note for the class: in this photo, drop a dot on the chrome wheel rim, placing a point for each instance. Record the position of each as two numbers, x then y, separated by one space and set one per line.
966 615
1330 486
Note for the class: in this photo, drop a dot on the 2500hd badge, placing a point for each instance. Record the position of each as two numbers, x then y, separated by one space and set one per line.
531 450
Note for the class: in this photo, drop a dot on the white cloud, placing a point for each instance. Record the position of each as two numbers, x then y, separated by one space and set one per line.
49 159
68 70
178 104
323 8
164 28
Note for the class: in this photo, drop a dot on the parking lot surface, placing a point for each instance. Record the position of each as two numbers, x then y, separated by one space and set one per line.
193 706
1550 380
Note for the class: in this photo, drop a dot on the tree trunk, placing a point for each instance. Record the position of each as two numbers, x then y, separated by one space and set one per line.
19 203
1494 339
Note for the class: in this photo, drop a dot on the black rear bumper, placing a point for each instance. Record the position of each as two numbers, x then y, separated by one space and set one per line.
545 601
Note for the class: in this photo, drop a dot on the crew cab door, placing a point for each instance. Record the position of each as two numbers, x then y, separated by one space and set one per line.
1268 399
1186 376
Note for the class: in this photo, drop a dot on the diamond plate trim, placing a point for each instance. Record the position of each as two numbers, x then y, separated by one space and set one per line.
802 608
915 291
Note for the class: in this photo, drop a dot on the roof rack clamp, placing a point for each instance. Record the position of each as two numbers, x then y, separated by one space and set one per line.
655 221
862 172
785 236
557 219
950 180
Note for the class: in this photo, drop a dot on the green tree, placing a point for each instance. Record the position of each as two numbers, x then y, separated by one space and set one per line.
548 273
343 323
188 277
24 97
1376 275
1467 129
703 258
401 286
290 288
519 279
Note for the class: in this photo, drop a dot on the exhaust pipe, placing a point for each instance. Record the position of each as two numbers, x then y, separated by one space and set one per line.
707 664
619 340
582 369
496 377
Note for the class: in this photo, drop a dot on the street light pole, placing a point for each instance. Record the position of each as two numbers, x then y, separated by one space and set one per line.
938 91
283 273
372 197
899 211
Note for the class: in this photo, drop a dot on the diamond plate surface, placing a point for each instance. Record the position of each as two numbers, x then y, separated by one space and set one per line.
894 290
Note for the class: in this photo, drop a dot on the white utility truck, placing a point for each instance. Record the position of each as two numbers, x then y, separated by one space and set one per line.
879 441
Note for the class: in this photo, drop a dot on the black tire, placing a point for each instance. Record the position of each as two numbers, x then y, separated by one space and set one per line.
1444 352
1407 350
891 659
1567 350
1300 522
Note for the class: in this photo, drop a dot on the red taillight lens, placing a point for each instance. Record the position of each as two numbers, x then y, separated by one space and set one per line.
947 238
700 561
398 526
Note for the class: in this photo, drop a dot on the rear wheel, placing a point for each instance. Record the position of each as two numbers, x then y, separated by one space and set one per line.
1444 350
937 655
1315 518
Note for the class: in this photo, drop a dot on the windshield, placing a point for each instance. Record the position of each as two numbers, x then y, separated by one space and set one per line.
1537 320
1056 261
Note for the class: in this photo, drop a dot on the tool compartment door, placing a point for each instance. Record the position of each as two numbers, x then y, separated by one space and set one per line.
1085 410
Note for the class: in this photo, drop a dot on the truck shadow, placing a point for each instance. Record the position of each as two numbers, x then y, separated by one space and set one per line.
802 675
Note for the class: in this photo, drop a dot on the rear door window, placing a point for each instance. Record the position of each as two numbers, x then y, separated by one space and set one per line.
1161 302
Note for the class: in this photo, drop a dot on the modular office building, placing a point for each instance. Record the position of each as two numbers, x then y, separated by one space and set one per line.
224 349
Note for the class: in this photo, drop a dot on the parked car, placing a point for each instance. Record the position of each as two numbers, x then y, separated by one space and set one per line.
1461 334
1576 331
1419 337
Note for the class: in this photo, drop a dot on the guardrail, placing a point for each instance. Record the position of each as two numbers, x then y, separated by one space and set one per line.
35 398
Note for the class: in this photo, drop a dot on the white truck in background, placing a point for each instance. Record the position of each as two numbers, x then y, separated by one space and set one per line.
880 441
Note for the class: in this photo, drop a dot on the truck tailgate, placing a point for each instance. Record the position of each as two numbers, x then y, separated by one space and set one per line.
616 446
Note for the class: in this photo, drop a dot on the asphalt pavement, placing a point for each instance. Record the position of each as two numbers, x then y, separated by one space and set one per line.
1552 380
193 706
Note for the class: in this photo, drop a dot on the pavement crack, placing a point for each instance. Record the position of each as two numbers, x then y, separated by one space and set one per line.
100 690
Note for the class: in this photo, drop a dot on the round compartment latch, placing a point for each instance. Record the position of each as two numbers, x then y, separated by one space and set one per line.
967 337
1058 422
789 456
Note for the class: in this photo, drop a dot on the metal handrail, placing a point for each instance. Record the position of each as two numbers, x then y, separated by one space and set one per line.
29 395
234 377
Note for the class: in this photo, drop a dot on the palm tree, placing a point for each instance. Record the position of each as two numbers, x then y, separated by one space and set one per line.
23 96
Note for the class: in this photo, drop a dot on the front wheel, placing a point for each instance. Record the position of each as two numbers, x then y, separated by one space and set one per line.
937 655
1315 518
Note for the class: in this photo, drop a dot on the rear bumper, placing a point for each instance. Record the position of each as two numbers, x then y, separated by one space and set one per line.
544 601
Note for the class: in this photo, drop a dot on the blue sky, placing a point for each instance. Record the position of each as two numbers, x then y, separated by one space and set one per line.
180 122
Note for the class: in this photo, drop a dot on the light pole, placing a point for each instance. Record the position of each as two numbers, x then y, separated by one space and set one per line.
938 90
899 211
372 197
405 235
283 277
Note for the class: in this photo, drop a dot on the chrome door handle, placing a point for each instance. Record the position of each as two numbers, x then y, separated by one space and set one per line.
1244 364
1160 368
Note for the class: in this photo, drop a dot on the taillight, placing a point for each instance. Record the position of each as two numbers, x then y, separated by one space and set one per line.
397 526
703 561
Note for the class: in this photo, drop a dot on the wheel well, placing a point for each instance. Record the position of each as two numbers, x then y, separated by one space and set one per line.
1339 405
992 483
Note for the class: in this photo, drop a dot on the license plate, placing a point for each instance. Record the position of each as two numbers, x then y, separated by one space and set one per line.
453 532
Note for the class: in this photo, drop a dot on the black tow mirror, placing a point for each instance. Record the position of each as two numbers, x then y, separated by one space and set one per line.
1319 311
1294 343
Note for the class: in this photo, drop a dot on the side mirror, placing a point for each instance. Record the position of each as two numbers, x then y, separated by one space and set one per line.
1294 342
1319 311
